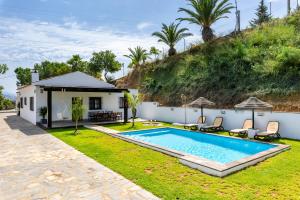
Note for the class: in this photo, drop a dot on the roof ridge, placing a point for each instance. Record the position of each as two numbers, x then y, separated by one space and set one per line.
74 79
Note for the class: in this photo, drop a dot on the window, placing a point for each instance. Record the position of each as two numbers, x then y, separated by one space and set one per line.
121 102
25 101
95 103
31 103
21 102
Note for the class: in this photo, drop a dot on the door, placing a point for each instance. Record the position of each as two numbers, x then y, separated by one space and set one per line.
74 99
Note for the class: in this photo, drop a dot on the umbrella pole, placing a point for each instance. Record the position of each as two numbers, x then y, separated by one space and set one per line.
202 114
253 119
185 112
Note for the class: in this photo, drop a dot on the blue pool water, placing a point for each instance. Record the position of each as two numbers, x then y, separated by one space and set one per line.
213 147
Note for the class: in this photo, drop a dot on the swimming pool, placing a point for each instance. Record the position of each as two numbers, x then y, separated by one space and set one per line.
212 147
210 153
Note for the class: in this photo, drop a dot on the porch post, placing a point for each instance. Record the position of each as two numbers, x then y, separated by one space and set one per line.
125 110
49 106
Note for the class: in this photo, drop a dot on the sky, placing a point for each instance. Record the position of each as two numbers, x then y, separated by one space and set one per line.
35 30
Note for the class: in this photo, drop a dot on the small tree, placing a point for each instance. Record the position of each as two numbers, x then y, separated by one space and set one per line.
171 35
3 68
154 51
23 76
133 102
104 61
262 15
77 64
77 111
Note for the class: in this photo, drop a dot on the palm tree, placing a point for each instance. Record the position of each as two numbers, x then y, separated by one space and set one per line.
133 102
205 13
77 110
170 35
154 51
138 56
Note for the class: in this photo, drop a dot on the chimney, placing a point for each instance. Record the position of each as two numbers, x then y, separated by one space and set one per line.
34 76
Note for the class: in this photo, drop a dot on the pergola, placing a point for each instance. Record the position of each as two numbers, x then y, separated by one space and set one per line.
49 98
76 82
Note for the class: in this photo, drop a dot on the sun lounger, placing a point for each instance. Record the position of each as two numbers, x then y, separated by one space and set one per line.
243 131
195 126
151 123
271 133
177 124
217 125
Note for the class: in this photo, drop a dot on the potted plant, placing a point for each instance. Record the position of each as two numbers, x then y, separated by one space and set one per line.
43 113
18 109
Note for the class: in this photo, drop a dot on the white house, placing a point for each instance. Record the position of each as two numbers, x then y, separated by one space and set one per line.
102 101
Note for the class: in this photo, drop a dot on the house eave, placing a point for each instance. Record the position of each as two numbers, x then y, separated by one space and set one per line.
84 89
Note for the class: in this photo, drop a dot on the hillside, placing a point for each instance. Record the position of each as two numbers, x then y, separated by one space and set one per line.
264 62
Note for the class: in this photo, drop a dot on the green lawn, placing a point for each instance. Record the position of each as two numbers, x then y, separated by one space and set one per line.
164 176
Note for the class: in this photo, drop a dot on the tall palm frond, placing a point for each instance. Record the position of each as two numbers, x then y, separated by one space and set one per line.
138 56
171 35
133 102
154 51
205 13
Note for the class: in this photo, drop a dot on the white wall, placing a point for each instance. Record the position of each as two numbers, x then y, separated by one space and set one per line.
41 101
289 122
25 112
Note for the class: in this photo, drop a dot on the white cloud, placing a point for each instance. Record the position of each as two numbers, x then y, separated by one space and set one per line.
143 25
35 40
23 43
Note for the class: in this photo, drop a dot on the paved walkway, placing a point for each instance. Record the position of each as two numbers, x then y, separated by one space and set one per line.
35 165
102 129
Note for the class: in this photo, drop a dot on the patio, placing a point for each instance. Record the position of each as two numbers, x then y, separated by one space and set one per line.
70 123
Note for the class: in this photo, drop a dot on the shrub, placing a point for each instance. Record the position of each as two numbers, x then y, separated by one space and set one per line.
261 61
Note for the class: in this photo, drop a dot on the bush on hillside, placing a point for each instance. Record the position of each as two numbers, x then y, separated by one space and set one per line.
261 61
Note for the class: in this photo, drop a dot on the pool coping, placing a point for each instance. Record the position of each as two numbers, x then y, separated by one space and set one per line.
202 164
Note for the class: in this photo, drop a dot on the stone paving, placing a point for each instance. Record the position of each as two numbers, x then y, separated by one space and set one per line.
102 129
37 166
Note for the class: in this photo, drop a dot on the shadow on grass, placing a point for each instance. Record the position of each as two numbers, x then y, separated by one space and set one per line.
67 131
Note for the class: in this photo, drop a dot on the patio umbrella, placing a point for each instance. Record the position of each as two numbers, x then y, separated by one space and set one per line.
201 103
253 104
